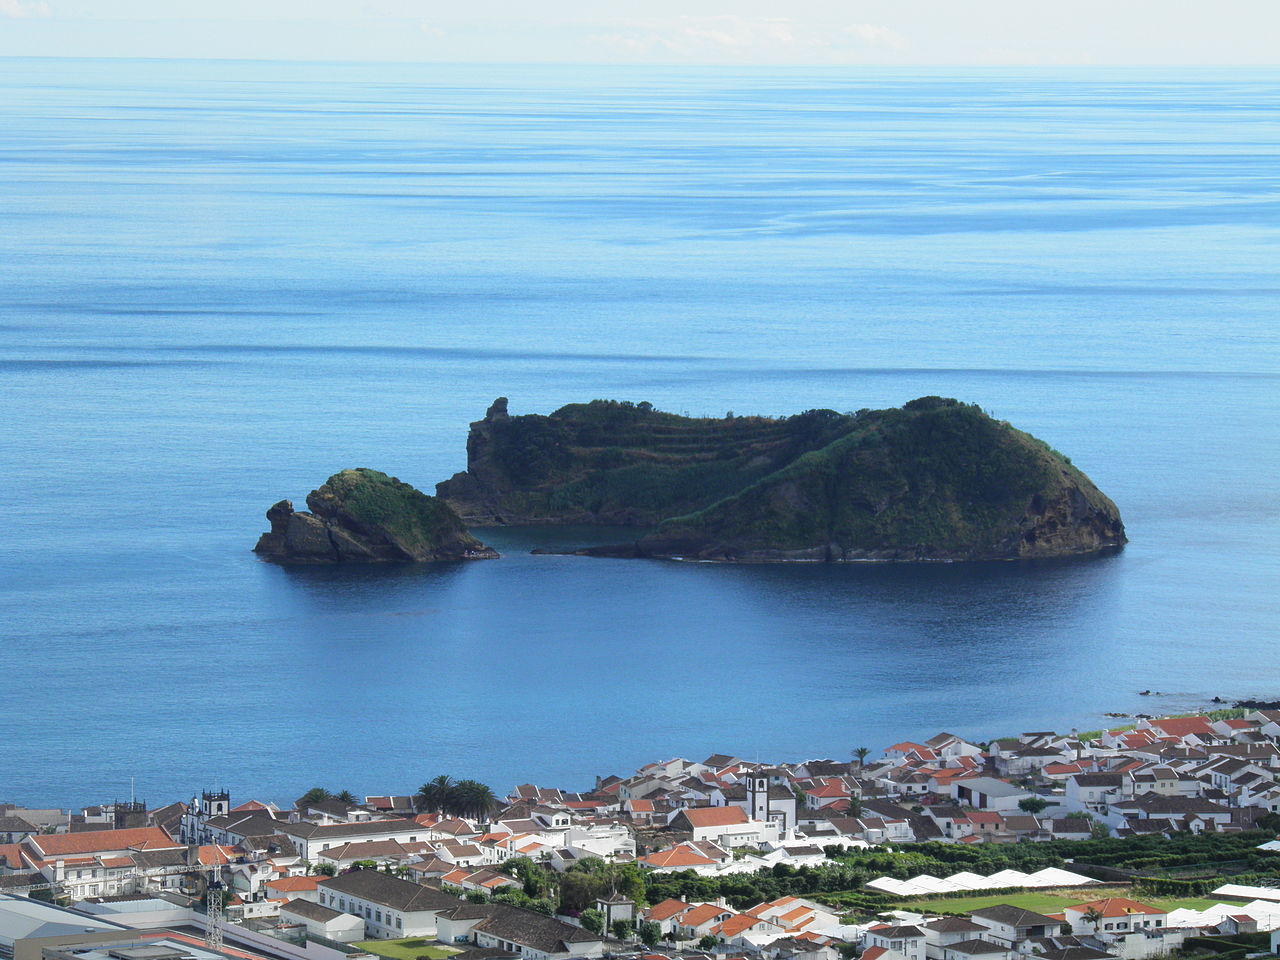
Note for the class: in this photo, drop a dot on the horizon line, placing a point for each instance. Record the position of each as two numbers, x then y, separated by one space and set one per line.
718 65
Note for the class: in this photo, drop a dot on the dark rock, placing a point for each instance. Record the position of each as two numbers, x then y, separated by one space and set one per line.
363 516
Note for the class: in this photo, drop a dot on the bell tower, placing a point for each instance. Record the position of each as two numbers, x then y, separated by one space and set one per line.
758 796
215 803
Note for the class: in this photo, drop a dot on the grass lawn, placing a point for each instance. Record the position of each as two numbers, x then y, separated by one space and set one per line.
1047 901
409 949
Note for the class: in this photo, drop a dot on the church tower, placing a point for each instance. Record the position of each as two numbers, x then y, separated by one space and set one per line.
215 803
758 796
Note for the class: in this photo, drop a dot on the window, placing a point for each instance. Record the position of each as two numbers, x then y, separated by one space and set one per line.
378 915
399 925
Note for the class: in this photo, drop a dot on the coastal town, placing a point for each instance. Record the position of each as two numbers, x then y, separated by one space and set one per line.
1156 839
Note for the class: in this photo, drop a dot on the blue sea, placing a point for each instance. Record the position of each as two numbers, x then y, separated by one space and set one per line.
220 282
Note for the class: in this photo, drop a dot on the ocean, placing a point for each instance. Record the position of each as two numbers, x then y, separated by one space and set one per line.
221 282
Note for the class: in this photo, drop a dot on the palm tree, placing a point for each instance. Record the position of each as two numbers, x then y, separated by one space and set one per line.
1093 915
434 794
861 754
346 796
472 798
315 795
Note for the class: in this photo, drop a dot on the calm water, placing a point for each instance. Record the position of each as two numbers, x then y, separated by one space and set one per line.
221 282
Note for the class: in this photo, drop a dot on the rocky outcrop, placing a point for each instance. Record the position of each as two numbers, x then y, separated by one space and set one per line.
363 516
934 480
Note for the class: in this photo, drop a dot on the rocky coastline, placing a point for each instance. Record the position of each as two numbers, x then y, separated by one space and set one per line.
364 516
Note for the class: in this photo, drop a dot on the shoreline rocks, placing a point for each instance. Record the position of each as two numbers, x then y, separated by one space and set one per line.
364 516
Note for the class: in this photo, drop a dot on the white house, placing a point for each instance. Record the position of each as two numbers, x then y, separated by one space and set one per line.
534 936
392 908
947 931
1011 925
988 793
725 826
1117 915
310 839
906 940
323 922
1093 791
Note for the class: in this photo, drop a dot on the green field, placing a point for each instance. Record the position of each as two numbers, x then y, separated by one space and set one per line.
1046 901
409 949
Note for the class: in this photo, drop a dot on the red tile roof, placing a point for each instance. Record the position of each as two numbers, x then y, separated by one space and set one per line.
1115 907
666 909
295 884
95 841
703 913
681 856
1183 726
715 816
736 924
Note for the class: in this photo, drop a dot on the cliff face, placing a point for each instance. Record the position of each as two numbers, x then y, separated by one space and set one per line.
363 516
619 463
937 479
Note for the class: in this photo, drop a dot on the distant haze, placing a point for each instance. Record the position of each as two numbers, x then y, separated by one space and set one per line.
799 32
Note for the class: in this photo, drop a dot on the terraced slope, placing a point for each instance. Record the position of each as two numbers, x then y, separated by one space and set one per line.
620 463
936 480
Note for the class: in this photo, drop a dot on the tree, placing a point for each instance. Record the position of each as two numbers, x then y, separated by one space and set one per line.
707 943
861 755
364 865
650 932
621 929
325 868
592 920
1093 915
579 889
535 877
471 798
477 896
433 794
346 796
1032 804
315 795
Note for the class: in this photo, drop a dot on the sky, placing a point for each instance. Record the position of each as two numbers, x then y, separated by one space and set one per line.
765 32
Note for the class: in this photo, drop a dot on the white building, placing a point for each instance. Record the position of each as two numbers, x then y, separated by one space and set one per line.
391 908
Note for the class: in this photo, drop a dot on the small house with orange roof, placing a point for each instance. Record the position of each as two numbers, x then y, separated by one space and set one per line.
795 914
698 920
682 856
293 888
1188 731
725 826
1118 915
666 913
732 930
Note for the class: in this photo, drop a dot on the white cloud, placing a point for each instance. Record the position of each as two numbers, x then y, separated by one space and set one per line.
19 9
876 36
